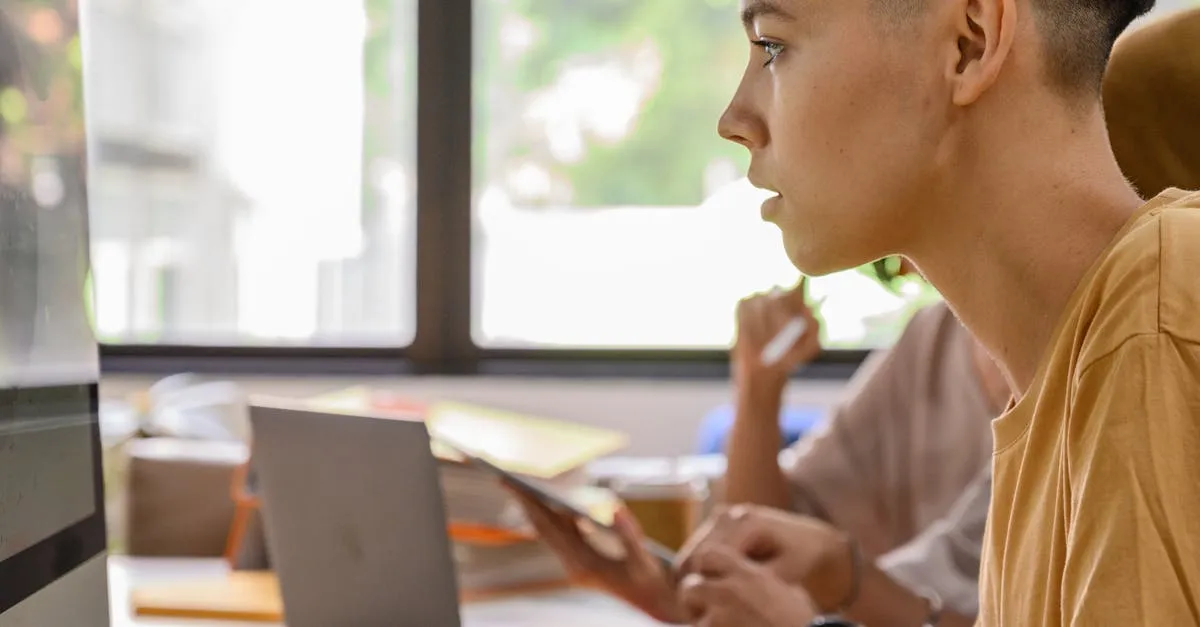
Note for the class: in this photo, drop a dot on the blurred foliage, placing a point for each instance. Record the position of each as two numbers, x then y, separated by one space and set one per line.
43 110
662 160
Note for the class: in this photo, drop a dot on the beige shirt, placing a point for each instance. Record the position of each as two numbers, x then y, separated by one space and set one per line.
910 442
946 557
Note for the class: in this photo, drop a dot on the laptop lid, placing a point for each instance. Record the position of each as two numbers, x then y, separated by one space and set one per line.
354 519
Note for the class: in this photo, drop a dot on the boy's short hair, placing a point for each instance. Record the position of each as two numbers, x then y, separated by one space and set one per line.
1079 35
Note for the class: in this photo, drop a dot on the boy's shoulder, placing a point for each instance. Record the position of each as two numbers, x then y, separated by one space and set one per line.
1149 281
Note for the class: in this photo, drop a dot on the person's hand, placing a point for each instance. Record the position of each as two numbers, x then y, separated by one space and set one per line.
759 318
634 575
726 589
800 550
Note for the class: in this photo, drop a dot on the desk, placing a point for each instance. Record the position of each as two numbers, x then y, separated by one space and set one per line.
578 608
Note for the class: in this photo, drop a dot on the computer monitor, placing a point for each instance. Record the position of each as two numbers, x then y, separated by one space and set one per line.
52 531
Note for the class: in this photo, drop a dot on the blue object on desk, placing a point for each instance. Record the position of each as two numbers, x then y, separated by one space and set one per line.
795 421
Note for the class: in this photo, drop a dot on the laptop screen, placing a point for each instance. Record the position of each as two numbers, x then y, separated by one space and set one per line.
51 497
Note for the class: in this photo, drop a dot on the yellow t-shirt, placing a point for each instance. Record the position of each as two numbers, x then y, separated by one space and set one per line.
1095 516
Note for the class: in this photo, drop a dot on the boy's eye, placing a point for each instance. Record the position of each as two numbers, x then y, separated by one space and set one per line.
773 49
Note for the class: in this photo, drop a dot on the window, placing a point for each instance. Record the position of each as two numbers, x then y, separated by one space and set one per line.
608 211
254 169
251 172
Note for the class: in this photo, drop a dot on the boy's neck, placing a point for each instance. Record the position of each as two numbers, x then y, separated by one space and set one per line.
1012 248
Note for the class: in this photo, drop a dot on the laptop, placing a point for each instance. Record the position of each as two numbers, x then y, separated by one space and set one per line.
354 519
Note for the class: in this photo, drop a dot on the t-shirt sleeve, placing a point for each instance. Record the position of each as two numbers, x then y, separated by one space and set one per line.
1133 462
831 472
945 557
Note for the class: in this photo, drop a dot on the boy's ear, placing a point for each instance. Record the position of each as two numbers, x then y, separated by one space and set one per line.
984 32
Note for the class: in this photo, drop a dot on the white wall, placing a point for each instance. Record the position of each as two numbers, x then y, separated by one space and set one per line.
661 417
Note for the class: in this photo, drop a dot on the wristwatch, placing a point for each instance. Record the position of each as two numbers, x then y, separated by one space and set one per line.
831 621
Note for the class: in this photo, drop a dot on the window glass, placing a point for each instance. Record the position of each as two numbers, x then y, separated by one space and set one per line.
251 170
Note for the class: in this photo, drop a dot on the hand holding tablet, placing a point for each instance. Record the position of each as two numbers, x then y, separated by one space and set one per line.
612 554
532 493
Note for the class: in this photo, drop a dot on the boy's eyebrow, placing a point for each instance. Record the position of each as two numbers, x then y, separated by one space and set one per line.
755 9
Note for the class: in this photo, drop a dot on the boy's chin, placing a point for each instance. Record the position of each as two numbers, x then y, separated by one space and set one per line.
812 260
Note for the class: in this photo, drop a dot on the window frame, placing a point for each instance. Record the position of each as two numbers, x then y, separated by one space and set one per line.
443 343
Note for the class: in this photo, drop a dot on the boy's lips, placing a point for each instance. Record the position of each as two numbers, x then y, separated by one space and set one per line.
770 207
773 201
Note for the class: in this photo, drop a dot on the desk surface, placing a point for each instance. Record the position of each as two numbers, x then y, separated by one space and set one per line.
579 608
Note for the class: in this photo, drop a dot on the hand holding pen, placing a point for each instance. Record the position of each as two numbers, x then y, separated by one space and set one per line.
776 333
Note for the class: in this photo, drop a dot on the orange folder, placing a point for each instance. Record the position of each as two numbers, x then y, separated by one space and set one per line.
469 533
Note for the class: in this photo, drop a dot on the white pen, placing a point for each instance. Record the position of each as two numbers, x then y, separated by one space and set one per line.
785 339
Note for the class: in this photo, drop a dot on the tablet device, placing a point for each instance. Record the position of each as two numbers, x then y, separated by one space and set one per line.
557 502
